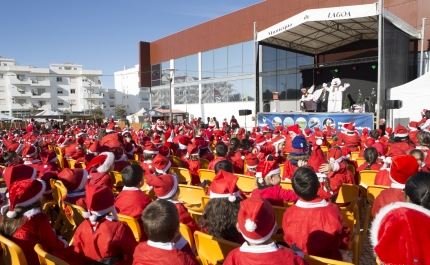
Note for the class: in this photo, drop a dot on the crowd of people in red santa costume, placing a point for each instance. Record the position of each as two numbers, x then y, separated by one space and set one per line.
316 163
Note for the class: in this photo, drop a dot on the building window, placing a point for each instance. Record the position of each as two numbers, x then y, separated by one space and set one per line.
111 104
20 77
187 69
1 76
60 103
72 80
156 74
72 91
229 91
42 103
1 90
59 91
2 101
60 68
40 91
59 79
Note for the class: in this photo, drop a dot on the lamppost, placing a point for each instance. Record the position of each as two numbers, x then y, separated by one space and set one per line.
71 103
170 79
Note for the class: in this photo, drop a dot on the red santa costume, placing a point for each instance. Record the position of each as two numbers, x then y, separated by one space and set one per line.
316 227
30 155
48 169
181 152
257 222
150 149
192 163
150 252
401 170
205 151
112 139
251 161
412 133
103 238
121 160
99 169
298 152
400 234
276 195
351 138
336 157
401 140
77 149
36 228
74 180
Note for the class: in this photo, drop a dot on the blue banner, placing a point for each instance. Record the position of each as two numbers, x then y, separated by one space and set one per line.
313 120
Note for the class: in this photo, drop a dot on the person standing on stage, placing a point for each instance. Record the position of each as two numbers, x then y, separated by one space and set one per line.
335 95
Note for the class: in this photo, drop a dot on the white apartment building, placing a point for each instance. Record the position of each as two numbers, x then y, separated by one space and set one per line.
130 94
60 87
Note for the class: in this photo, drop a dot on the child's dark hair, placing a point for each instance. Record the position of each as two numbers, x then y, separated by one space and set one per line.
423 138
305 183
132 175
417 188
101 134
219 218
161 221
417 152
8 226
234 144
374 134
148 156
221 150
225 165
9 156
371 155
245 144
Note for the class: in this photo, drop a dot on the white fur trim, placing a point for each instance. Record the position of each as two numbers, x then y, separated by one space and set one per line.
161 245
164 170
110 159
272 247
84 181
263 239
182 147
95 214
32 212
304 204
130 188
150 152
123 158
250 226
401 135
213 195
384 211
172 191
76 194
32 154
396 185
34 175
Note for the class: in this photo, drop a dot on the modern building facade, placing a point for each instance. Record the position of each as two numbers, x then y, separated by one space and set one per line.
133 97
66 87
223 65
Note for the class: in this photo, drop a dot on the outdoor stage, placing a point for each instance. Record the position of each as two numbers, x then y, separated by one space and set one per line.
314 120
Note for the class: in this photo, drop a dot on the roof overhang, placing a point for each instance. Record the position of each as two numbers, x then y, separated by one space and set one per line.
316 31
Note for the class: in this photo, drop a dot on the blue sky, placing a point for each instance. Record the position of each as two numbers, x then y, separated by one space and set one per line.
98 34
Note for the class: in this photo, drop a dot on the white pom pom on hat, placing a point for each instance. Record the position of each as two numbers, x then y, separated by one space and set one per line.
232 198
319 142
250 226
93 218
11 214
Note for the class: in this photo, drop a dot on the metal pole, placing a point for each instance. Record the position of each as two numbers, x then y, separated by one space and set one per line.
170 99
423 23
91 102
379 87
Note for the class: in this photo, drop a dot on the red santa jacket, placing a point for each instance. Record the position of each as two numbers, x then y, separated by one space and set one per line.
47 172
336 179
148 168
316 227
288 144
181 153
208 156
149 253
237 161
110 239
276 195
131 202
112 140
101 178
185 217
376 166
383 178
193 166
403 146
77 198
413 136
37 229
212 164
386 197
261 254
288 170
352 141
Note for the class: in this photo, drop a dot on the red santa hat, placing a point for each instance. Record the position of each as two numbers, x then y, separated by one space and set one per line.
16 147
319 136
316 159
182 143
224 186
276 141
168 136
346 153
256 220
48 156
369 142
350 127
164 151
74 179
94 147
164 186
226 139
398 234
266 168
129 148
192 150
102 163
100 201
80 142
118 152
307 132
18 172
29 151
179 128
161 164
31 120
335 155
80 133
260 140
251 160
150 148
255 129
156 139
265 129
294 128
24 193
400 131
111 126
423 112
364 131
402 168
388 131
413 125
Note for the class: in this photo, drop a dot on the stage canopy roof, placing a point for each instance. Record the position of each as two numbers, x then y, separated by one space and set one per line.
316 31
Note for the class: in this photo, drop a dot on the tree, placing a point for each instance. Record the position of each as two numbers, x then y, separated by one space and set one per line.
34 109
98 112
360 100
345 103
66 111
120 111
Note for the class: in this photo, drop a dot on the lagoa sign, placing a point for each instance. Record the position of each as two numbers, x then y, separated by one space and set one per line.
339 14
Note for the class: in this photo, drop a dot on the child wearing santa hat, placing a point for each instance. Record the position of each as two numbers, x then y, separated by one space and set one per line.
161 221
183 142
25 224
351 139
221 152
166 188
149 153
314 224
268 182
275 149
400 231
75 181
401 140
192 163
77 149
257 222
99 169
402 168
121 159
298 157
48 169
372 161
30 155
131 201
204 150
235 155
419 157
251 162
423 139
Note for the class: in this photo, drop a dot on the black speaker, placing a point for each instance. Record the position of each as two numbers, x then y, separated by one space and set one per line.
266 107
392 104
244 112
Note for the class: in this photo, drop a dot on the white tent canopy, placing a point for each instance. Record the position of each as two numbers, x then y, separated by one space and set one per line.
4 117
415 96
135 117
50 113
319 30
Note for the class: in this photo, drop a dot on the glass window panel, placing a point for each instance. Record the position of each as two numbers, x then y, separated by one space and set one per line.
192 95
193 67
269 54
220 58
235 71
248 88
165 65
281 85
181 68
269 66
269 86
207 64
155 83
281 54
221 92
180 94
292 62
281 64
234 53
291 54
160 98
234 90
156 73
220 73
248 69
248 52
304 60
291 86
208 93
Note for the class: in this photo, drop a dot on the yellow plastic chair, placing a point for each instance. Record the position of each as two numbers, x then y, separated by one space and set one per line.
192 196
83 165
58 150
279 214
133 224
281 169
148 192
246 183
314 260
186 233
47 259
355 155
287 185
212 250
117 181
134 162
47 206
137 156
204 163
367 177
183 174
50 147
11 252
360 161
353 223
195 215
58 191
348 194
205 200
206 174
177 161
285 155
71 163
324 149
60 161
78 214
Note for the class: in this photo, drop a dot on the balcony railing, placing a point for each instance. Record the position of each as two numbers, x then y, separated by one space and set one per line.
41 83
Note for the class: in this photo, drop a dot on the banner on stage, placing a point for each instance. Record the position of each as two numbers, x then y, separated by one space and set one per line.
315 120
